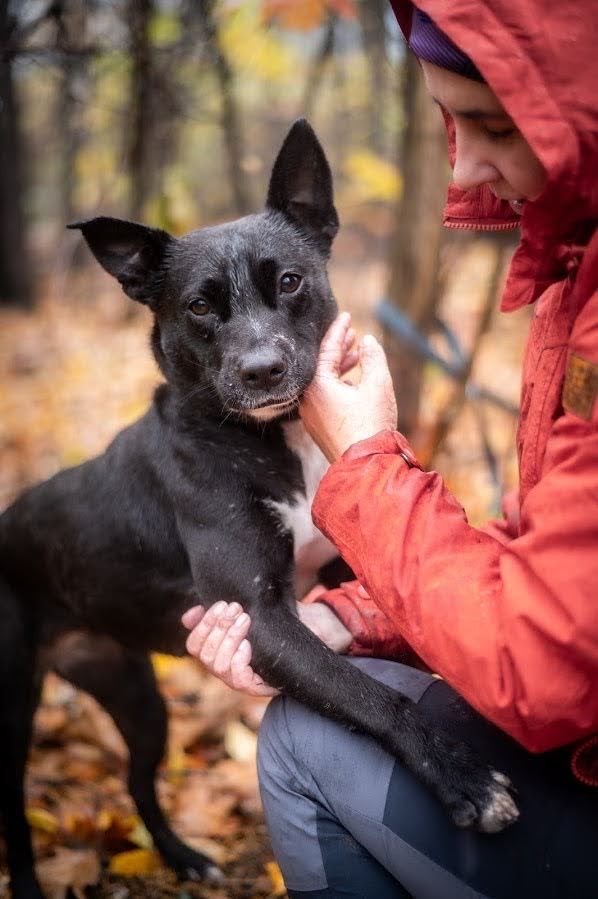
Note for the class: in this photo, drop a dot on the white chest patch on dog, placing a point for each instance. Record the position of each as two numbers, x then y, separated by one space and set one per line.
312 549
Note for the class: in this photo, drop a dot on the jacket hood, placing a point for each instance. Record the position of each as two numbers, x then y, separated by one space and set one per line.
541 61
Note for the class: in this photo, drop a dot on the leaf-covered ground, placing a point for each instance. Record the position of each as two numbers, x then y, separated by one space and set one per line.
71 374
84 823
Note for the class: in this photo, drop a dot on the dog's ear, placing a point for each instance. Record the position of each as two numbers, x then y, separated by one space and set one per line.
132 253
301 184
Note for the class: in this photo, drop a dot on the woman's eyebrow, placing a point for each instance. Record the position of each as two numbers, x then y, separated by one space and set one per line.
475 113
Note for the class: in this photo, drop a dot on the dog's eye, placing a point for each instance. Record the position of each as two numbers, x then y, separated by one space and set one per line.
199 307
290 282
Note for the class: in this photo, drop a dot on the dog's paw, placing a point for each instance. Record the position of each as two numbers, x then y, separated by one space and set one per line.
195 867
209 874
483 802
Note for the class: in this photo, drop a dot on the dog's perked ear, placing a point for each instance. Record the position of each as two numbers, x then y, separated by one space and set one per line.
132 253
301 184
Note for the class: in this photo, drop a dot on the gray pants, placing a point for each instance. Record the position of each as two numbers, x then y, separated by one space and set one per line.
346 819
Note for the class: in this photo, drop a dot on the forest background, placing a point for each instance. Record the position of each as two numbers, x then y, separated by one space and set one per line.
171 112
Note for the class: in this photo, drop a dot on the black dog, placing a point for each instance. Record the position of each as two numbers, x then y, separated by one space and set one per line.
205 498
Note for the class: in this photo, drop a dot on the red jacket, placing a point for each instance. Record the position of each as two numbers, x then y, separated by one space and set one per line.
508 616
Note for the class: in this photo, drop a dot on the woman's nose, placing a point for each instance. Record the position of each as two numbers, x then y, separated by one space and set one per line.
471 168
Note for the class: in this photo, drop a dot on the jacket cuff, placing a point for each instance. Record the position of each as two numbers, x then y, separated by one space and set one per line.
384 442
372 630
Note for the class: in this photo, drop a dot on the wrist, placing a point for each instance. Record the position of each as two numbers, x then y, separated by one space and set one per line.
326 625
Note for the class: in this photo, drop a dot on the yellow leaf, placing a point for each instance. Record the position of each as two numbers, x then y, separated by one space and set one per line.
163 664
165 29
239 742
275 875
135 863
253 49
104 819
41 819
373 178
140 835
177 766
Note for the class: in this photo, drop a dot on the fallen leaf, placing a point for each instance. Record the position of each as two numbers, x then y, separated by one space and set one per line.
276 879
42 819
68 869
136 863
140 835
240 742
203 810
239 778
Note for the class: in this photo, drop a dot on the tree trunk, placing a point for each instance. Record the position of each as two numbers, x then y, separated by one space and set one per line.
71 39
139 155
317 68
15 268
371 14
232 132
413 285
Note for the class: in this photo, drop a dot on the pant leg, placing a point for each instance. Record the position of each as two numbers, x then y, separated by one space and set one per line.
346 819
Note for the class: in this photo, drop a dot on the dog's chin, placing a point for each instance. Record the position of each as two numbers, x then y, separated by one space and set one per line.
269 413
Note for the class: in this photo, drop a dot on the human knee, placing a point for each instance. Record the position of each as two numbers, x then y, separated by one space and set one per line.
275 742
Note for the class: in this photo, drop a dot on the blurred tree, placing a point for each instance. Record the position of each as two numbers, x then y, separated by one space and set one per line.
372 17
318 67
70 41
232 132
142 107
15 270
414 285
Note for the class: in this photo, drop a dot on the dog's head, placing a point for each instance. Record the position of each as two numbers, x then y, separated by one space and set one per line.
240 309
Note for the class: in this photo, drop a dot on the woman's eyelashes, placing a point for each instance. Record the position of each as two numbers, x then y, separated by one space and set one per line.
499 133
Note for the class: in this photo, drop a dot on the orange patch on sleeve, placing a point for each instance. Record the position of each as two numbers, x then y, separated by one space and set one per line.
581 387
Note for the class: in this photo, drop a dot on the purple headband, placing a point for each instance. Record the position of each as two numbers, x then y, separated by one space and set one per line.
428 42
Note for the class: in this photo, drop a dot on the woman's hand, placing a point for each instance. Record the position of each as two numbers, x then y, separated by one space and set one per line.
218 639
337 414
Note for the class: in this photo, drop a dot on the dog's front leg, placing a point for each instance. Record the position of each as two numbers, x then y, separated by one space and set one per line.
288 656
254 567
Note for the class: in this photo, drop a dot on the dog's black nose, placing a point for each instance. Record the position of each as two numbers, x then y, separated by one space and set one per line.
262 369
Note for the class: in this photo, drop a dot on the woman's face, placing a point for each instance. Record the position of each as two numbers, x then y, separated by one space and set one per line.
490 148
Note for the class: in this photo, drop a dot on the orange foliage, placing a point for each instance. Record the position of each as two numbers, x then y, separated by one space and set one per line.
307 14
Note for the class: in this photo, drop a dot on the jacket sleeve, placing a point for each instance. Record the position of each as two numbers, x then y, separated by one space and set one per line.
511 626
374 632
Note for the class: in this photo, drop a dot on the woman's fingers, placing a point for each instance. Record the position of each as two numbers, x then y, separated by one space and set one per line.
193 616
350 360
331 349
233 637
219 640
349 339
205 639
350 356
243 677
